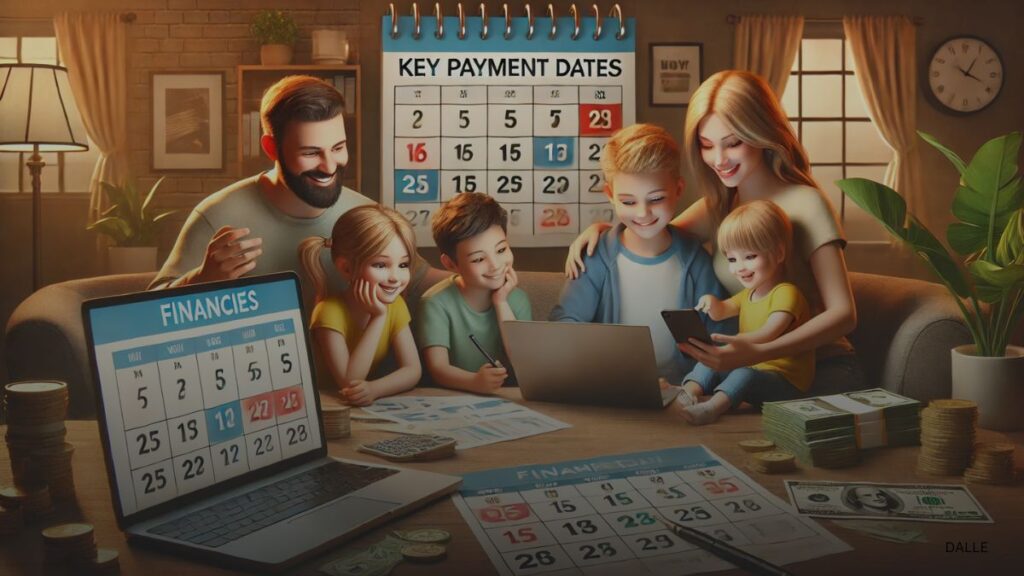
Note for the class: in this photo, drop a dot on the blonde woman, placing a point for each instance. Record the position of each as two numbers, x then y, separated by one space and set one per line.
371 246
739 148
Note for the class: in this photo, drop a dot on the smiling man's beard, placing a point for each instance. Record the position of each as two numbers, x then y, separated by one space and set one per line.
315 196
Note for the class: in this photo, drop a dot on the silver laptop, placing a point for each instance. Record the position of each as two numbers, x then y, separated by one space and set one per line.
211 427
605 364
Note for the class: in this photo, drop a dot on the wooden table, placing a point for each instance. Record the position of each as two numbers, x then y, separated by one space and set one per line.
595 431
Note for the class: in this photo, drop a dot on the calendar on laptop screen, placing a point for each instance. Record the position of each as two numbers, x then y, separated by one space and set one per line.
202 386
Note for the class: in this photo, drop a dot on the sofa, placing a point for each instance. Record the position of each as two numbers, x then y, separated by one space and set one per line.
905 331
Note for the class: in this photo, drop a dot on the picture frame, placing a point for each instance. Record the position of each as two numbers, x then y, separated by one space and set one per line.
676 70
188 121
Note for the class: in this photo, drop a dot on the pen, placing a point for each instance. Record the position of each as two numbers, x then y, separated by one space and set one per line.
490 358
725 551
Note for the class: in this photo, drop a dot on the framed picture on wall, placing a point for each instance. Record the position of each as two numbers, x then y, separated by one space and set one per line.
188 120
676 71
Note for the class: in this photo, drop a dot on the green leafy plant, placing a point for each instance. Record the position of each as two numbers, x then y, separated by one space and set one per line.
988 235
129 221
274 27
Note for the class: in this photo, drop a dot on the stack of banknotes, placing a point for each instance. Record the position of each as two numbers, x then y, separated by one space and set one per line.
829 431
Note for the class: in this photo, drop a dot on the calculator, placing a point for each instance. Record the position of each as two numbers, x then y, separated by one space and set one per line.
412 447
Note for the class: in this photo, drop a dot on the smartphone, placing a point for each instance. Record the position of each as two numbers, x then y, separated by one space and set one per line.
685 324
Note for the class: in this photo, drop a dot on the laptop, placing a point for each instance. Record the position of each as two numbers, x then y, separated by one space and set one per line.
211 429
604 364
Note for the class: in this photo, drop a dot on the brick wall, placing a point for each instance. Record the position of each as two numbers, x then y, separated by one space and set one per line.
209 35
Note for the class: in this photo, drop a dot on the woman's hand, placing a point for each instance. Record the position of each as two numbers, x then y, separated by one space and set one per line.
734 353
366 294
585 241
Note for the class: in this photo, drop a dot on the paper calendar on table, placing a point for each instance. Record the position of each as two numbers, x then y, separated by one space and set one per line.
523 119
600 515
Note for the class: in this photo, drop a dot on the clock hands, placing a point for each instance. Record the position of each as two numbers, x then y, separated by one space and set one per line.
968 71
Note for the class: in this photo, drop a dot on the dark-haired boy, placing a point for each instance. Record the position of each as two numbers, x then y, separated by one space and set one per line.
470 231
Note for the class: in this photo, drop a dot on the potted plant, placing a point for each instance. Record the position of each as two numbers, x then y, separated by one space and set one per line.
276 32
989 237
131 226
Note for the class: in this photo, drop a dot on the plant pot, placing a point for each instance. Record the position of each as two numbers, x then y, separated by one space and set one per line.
131 259
996 385
275 54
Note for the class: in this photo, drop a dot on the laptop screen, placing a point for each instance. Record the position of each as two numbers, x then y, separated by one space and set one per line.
201 385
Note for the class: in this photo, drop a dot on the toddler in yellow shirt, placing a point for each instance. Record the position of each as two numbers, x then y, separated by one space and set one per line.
756 239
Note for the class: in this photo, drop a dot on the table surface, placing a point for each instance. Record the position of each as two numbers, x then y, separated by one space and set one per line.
595 431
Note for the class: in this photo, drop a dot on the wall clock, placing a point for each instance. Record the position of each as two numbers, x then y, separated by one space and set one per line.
965 74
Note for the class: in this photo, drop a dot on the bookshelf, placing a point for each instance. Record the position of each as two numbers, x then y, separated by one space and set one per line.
254 79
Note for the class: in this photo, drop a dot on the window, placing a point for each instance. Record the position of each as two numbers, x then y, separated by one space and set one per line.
64 171
825 107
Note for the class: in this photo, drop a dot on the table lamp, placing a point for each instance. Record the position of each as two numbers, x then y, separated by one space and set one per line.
38 114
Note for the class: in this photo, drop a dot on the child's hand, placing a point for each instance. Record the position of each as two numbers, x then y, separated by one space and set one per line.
711 306
511 281
366 294
358 393
488 379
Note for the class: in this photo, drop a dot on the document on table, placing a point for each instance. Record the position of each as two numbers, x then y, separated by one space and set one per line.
473 421
924 502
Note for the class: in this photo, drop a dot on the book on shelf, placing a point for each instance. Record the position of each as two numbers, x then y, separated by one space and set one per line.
350 94
246 127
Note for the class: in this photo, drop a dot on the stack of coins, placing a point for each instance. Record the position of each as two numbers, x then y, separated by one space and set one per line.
425 544
33 500
70 544
992 464
336 422
36 433
947 436
772 462
756 445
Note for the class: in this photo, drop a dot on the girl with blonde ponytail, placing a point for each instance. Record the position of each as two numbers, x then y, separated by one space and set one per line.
739 148
372 247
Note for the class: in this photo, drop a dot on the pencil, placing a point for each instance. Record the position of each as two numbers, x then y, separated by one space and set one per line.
729 553
490 358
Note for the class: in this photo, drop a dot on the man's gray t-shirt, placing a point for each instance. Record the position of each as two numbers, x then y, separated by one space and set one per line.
243 205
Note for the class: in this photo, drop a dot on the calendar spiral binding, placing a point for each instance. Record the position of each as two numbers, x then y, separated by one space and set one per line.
615 12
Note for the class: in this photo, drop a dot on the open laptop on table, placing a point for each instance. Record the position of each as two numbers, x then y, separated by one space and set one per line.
211 427
606 364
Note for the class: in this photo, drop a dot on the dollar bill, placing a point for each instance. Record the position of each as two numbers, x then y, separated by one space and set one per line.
922 502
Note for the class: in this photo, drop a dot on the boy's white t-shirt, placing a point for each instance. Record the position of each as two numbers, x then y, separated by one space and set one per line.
647 286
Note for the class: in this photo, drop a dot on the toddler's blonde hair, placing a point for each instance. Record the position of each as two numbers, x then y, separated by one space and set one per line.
758 226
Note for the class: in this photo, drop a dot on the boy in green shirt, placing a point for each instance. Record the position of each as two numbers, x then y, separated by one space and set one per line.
470 231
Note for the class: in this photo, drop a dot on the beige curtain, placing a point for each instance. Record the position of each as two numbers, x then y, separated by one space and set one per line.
93 46
767 45
884 57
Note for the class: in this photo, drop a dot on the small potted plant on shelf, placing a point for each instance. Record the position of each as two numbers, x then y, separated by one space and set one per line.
130 224
276 32
989 236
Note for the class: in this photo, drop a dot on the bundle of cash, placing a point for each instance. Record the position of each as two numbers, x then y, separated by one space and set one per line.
829 431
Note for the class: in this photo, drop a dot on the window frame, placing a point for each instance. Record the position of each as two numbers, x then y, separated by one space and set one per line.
846 73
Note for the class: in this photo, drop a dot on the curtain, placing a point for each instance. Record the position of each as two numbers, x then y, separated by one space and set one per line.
885 60
767 45
93 46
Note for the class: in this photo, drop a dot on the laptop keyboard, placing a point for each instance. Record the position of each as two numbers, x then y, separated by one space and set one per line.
234 518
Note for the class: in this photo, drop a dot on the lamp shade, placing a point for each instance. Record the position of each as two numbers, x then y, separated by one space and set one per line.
37 108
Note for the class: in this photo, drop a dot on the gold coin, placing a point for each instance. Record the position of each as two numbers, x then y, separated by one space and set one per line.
423 552
756 445
65 532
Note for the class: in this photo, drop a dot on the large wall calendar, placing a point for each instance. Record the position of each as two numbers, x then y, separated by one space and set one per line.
523 119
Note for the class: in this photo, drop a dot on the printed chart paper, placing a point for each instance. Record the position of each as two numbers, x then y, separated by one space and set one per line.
472 420
599 515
